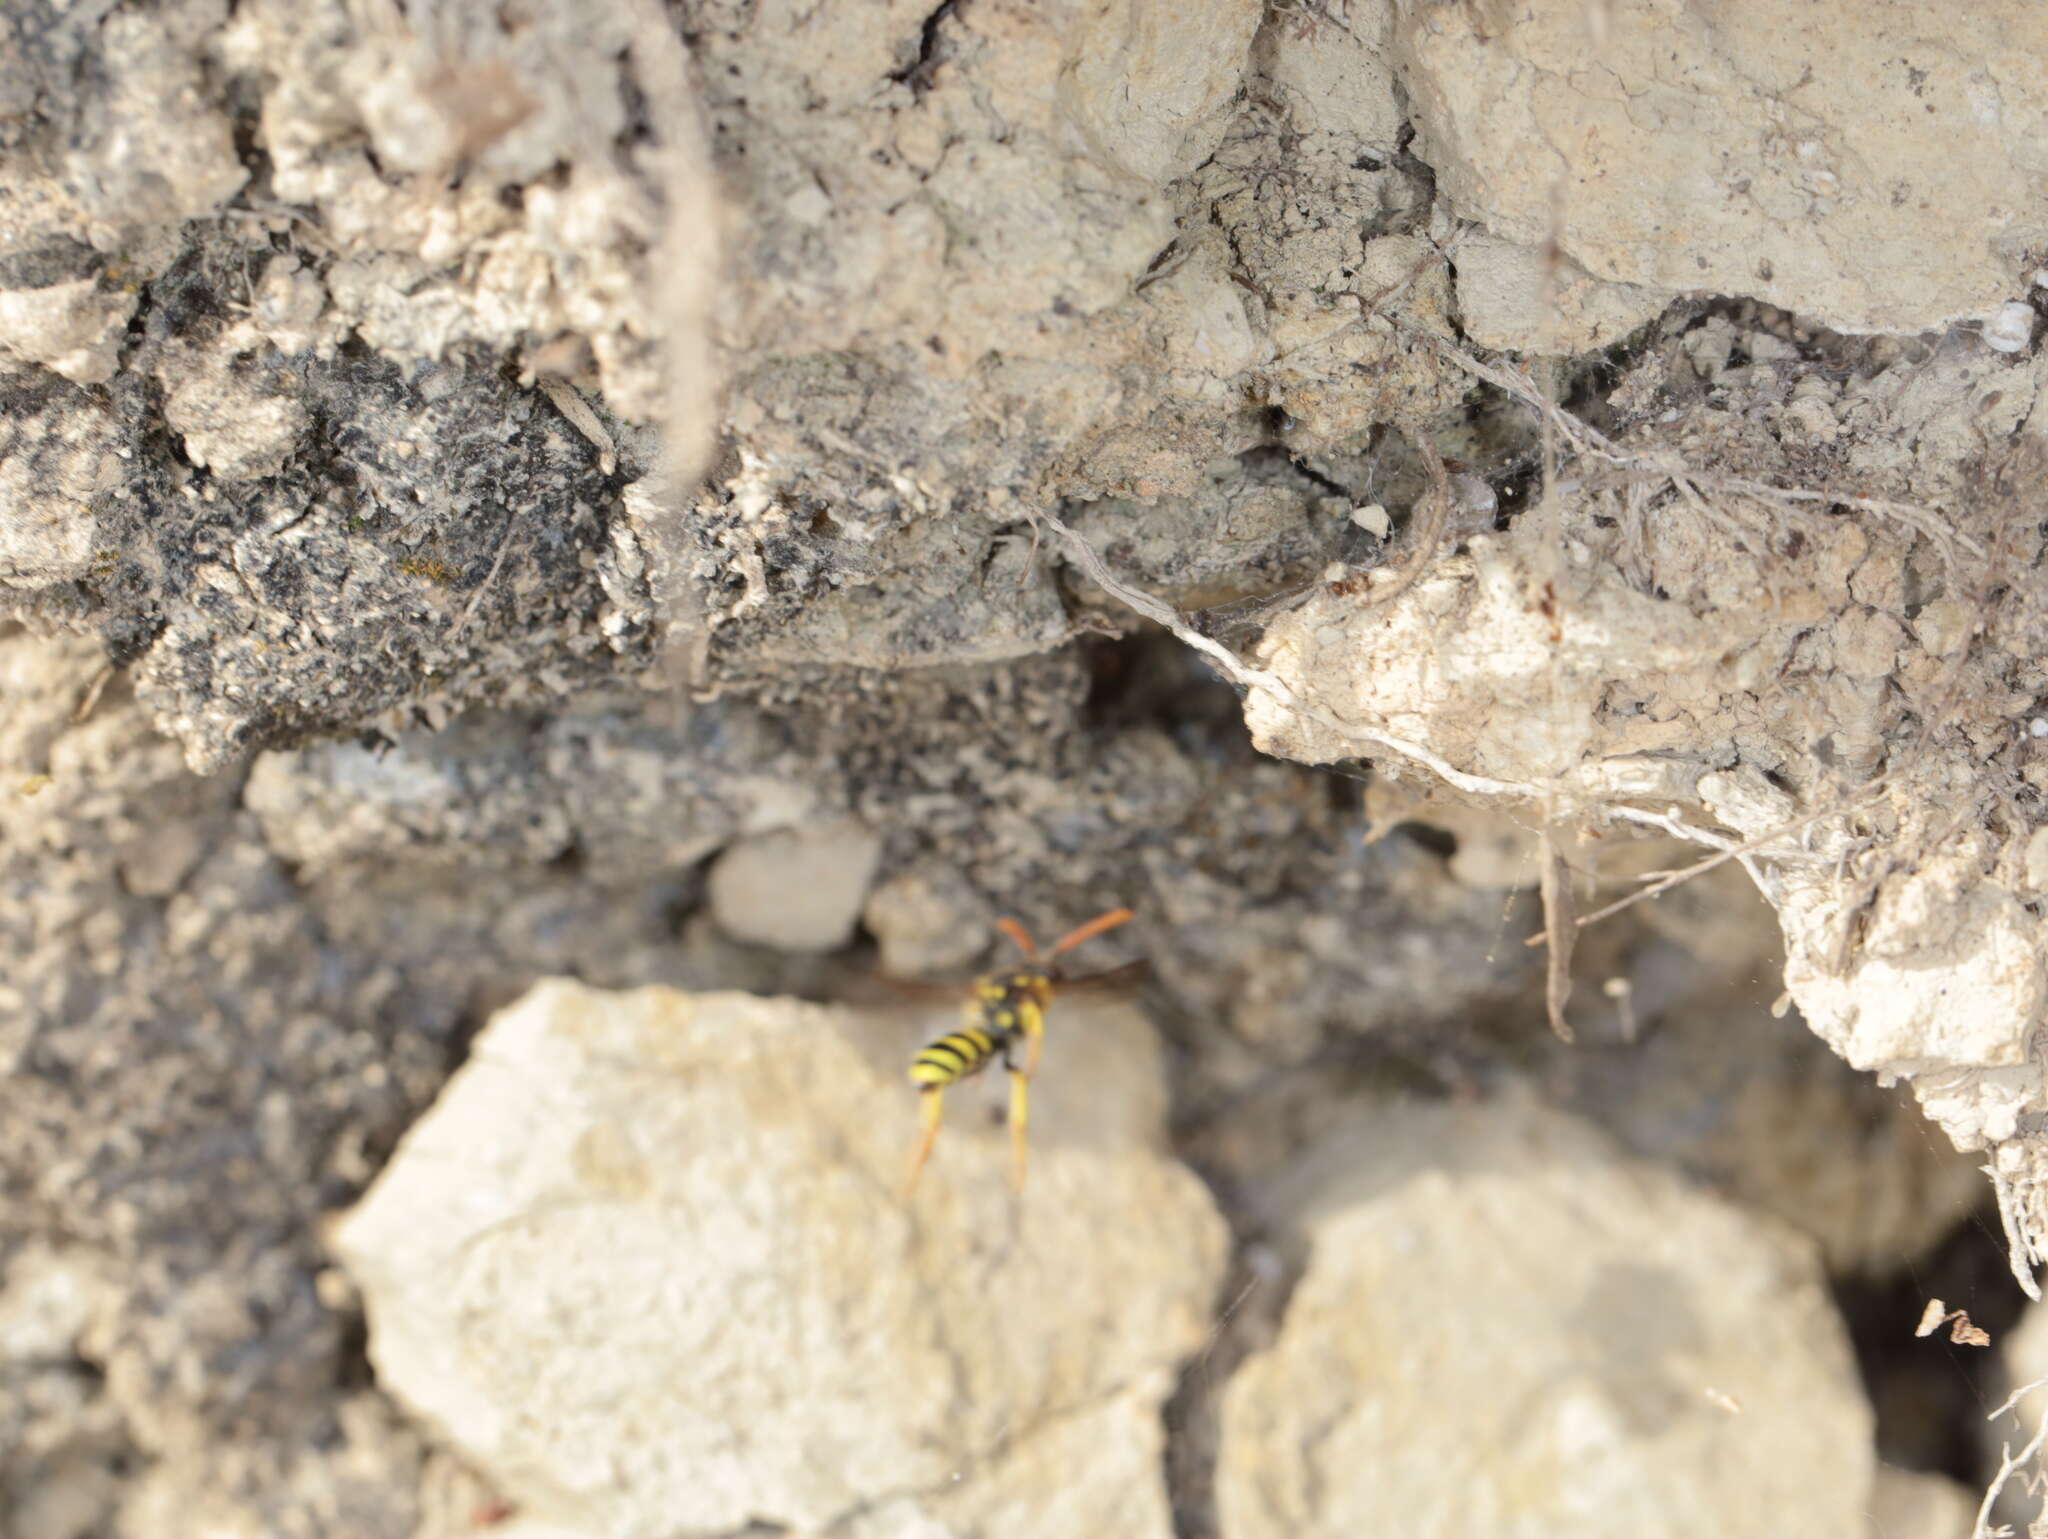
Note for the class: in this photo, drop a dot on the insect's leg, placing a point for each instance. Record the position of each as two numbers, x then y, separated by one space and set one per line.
1031 1032
931 1106
1020 1119
1091 929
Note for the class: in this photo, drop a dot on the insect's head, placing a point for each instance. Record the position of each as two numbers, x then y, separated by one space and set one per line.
1033 983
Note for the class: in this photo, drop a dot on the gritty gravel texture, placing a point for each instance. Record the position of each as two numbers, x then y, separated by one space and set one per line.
465 484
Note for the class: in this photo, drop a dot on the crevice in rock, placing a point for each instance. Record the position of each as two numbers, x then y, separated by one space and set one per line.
1930 1395
918 73
1249 1309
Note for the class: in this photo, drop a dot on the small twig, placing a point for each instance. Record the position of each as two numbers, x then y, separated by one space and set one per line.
89 701
2013 1399
476 598
570 403
1913 516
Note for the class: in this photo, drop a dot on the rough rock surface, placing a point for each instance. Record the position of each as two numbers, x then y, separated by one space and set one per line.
1625 1355
981 280
646 1265
356 364
1515 297
285 425
1905 1504
1705 653
191 1072
795 890
1701 1073
1867 175
2023 1361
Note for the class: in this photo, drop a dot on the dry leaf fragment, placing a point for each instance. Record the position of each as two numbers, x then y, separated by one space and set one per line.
1962 1332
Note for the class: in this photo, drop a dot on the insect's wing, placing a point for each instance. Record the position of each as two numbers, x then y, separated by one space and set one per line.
1117 980
880 991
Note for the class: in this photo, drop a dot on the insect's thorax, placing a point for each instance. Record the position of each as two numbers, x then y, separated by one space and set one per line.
1010 1004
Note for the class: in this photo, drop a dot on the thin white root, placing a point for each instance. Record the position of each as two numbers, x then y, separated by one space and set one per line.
2010 1463
1670 824
1742 852
2021 1253
1239 672
1589 442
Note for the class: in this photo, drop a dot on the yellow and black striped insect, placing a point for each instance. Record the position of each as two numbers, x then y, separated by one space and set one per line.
1005 1020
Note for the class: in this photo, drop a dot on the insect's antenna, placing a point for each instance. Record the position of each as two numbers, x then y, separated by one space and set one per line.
1021 936
1091 929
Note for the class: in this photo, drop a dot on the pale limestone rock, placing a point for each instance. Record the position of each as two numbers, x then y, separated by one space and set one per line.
1943 625
1339 82
797 889
1205 336
1864 176
1912 1504
1544 684
1085 1474
231 426
1946 987
646 1265
1150 81
48 1299
926 920
1014 181
2009 328
1508 299
425 262
55 465
1465 663
288 307
2037 859
1867 644
158 151
1505 1327
74 328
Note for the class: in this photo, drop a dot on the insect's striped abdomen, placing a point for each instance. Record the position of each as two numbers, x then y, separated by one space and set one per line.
1004 1011
952 1057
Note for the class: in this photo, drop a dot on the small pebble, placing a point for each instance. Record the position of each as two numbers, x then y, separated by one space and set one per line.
1372 518
2010 327
1475 496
